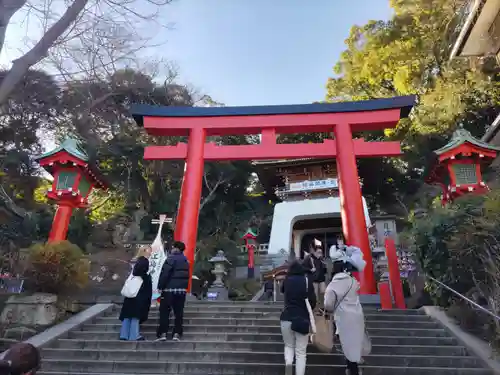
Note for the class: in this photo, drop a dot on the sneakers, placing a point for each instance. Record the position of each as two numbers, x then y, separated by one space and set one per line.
162 337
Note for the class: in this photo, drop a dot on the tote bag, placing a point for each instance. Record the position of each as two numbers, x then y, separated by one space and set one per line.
323 339
309 310
132 286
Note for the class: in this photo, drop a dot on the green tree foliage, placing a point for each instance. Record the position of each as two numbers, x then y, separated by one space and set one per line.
409 55
23 119
95 110
460 246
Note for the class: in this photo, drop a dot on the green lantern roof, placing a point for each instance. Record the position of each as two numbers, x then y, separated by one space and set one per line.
71 146
461 136
249 233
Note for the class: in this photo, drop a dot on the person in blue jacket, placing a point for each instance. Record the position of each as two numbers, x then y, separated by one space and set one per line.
174 283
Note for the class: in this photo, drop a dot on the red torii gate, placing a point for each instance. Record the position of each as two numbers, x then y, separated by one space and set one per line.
342 118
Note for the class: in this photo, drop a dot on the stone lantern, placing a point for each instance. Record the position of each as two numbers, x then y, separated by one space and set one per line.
218 291
457 166
74 178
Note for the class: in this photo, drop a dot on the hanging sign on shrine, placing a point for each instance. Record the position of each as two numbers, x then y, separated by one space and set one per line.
330 183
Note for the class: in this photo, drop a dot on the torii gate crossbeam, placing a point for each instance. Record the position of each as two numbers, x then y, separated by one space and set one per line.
342 118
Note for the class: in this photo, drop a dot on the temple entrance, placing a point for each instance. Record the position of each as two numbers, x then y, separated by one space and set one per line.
343 119
325 230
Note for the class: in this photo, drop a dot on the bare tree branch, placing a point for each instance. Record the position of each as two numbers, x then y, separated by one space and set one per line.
93 36
21 66
7 9
211 190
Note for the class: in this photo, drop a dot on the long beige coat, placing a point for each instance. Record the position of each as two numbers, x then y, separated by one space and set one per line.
348 314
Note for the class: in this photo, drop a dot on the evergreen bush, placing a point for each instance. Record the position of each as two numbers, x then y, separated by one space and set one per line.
56 267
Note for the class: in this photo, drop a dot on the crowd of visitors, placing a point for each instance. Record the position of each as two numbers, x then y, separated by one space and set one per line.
304 288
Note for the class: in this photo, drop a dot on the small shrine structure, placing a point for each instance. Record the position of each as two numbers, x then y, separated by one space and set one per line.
74 178
457 166
250 238
309 203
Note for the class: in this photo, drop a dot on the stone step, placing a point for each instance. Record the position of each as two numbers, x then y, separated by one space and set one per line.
226 328
269 309
269 322
81 367
263 346
270 337
258 315
169 355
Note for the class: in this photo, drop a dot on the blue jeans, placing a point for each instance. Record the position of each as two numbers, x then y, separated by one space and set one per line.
130 329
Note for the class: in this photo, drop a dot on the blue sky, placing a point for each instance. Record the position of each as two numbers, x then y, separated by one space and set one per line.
247 52
251 52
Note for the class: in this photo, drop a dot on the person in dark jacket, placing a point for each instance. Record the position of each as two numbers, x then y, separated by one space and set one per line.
136 310
269 289
295 317
173 282
318 270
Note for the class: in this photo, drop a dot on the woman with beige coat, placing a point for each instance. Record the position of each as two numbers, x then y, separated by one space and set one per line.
341 299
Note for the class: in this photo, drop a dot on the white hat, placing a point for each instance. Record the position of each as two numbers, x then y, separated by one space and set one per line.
336 254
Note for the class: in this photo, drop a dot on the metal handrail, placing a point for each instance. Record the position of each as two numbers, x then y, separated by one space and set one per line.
483 309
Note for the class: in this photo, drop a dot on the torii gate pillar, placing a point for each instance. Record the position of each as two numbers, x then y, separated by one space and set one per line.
353 216
186 227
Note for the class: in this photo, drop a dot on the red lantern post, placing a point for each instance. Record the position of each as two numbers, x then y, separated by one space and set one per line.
250 243
74 178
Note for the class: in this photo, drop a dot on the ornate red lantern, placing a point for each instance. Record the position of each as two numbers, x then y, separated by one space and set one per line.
74 178
456 166
250 238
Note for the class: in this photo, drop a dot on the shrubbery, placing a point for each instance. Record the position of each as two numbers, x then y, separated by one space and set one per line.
56 267
460 246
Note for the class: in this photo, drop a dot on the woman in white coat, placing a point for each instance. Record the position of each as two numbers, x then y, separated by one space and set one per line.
341 299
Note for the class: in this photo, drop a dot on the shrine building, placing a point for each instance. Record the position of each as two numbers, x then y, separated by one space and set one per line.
310 205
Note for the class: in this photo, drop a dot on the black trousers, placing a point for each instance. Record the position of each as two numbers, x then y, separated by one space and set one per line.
352 367
171 301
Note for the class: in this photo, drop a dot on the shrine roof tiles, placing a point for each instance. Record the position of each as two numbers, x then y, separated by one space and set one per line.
71 146
249 233
461 136
405 103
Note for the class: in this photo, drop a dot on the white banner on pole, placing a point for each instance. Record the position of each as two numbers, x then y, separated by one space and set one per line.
157 258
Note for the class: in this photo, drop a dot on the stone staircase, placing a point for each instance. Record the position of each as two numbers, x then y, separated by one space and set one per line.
244 339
